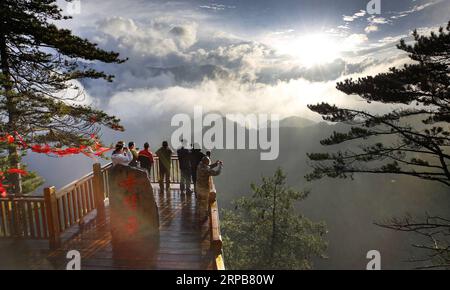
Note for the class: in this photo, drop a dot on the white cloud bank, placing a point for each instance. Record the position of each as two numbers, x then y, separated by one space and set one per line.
174 67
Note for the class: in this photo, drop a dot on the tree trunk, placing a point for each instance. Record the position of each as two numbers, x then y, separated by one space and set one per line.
14 158
14 162
15 180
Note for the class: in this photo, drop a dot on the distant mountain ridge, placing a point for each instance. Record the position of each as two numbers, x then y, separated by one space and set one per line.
191 73
296 122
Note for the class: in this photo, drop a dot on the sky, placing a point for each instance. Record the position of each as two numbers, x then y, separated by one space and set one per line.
243 55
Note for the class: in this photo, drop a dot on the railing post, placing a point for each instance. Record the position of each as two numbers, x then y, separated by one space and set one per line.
99 194
15 229
17 217
211 202
215 238
51 207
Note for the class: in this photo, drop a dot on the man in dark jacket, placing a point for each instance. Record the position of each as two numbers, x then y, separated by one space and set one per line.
196 157
185 168
165 163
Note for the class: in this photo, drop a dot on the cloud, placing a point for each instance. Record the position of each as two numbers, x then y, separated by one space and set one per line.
374 23
76 94
217 7
284 98
378 20
162 55
373 20
343 27
282 32
355 16
371 28
354 40
392 39
255 79
414 9
175 65
155 38
389 41
428 30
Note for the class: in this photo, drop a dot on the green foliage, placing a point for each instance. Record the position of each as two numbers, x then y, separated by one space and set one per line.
39 63
419 150
264 232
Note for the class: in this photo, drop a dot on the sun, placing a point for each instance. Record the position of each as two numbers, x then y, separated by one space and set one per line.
313 49
316 49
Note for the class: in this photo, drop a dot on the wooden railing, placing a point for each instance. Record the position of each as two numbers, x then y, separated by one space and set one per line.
175 174
214 226
23 216
51 214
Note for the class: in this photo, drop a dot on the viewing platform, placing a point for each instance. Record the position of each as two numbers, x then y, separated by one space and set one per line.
37 232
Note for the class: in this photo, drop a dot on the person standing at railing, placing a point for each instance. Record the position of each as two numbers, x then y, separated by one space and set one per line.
205 171
121 155
165 155
196 157
145 158
185 168
134 153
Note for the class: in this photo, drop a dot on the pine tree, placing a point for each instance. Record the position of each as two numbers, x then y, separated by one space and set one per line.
413 140
263 231
425 85
38 62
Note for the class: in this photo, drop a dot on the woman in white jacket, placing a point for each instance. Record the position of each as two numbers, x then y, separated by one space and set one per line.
121 155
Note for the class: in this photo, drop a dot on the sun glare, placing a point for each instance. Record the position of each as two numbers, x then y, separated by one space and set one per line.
313 49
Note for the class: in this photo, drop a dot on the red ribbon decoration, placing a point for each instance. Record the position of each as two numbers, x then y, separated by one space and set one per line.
3 191
91 151
8 138
17 171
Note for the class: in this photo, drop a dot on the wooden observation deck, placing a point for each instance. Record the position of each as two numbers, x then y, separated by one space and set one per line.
37 232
